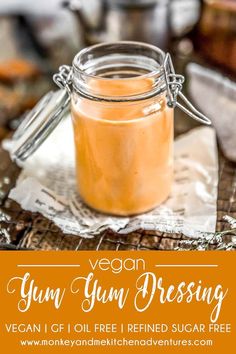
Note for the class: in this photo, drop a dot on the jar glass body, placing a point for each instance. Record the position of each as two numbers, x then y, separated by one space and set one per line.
123 128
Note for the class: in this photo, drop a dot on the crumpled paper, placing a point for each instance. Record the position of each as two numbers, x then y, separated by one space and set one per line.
47 185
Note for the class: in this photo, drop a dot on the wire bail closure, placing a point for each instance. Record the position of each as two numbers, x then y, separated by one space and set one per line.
63 78
174 84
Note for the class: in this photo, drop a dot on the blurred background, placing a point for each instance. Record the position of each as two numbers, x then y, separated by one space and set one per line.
36 37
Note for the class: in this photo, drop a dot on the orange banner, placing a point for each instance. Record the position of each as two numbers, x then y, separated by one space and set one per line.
140 302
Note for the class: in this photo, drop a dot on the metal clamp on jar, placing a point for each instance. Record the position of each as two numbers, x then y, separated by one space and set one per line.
122 97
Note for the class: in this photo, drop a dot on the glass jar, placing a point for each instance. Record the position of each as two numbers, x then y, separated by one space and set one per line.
123 128
122 97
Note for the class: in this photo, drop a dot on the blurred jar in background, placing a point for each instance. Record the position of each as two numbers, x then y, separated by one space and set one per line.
136 20
150 21
218 32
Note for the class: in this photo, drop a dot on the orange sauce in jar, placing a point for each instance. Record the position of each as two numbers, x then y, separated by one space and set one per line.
124 157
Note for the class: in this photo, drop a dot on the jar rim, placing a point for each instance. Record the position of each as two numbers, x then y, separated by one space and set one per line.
77 59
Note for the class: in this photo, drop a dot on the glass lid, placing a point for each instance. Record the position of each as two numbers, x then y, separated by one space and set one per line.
39 124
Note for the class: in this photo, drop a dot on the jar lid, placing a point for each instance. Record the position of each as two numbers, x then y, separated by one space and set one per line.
39 124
